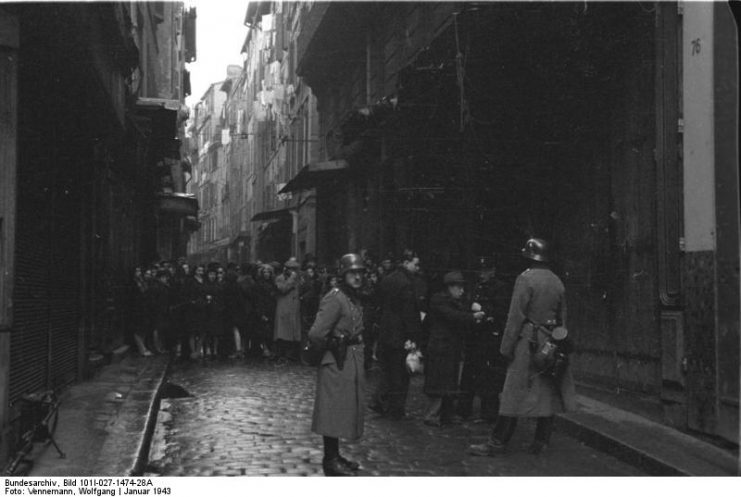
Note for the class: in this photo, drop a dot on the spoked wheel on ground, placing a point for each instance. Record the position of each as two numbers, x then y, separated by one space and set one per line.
36 422
50 418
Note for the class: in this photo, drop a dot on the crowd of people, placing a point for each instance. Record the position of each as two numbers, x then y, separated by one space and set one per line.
469 333
219 311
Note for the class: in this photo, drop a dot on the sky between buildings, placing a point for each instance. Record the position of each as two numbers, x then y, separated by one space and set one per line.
220 32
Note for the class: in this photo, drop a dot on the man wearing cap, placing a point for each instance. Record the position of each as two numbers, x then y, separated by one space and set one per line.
450 321
287 331
484 369
538 303
339 404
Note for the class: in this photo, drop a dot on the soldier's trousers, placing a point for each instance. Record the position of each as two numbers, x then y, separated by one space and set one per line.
472 377
505 428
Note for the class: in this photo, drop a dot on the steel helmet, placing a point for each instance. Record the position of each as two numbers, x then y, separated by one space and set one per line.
351 262
536 249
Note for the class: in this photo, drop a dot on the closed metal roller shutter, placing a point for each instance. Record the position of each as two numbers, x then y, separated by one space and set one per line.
44 342
29 340
64 343
64 275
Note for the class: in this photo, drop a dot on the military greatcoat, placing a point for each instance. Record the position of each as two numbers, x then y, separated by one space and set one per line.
339 404
538 296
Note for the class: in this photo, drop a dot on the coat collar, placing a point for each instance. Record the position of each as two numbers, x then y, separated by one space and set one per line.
349 292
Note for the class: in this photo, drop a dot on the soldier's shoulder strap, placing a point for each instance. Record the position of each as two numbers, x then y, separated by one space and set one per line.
331 294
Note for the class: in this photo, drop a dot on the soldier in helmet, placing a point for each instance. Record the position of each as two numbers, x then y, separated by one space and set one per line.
340 393
538 303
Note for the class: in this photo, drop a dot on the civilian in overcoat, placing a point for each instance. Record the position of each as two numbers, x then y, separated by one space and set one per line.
265 295
287 326
288 305
400 321
140 317
249 327
178 311
215 308
310 290
340 391
161 300
450 321
195 289
238 308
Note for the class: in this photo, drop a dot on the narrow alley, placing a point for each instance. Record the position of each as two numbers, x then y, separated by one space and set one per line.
254 419
215 216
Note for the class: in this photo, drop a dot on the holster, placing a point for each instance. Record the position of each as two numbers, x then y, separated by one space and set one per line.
337 345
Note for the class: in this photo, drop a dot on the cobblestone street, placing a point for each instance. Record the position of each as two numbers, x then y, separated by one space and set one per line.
254 419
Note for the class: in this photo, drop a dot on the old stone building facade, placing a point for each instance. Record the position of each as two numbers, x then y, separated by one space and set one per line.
461 129
93 183
267 131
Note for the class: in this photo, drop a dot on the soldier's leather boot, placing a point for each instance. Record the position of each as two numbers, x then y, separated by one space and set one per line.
335 467
351 465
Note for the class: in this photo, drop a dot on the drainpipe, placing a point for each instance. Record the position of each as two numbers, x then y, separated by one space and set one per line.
294 232
368 66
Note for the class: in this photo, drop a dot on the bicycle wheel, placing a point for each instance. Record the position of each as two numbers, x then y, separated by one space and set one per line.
23 468
19 465
52 404
51 424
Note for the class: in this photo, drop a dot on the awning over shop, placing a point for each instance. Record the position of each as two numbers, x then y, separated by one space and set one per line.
312 174
222 242
268 215
175 111
157 103
181 204
243 236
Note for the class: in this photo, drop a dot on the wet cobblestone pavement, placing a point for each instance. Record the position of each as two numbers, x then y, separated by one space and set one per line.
253 419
